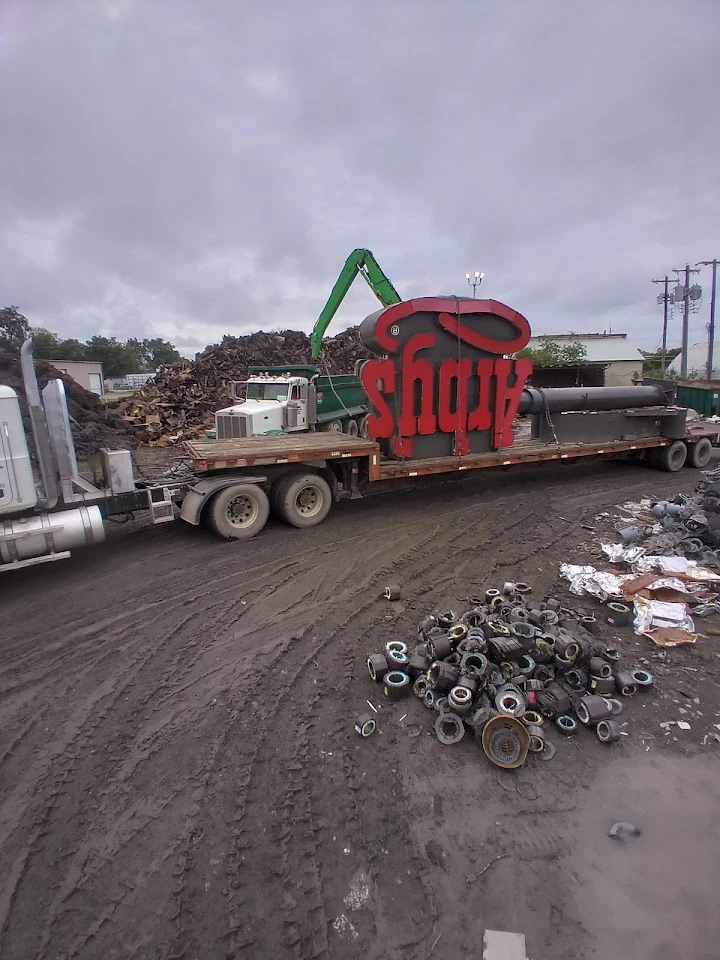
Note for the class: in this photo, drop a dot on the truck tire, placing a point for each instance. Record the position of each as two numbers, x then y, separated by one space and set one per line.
363 427
304 500
333 426
672 458
351 428
238 512
699 453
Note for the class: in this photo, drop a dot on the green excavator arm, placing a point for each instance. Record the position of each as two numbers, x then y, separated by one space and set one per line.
364 263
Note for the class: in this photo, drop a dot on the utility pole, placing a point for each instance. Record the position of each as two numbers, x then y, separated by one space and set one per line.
665 300
474 281
686 317
711 328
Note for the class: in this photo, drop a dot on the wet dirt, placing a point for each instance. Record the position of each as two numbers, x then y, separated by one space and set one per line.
656 894
179 775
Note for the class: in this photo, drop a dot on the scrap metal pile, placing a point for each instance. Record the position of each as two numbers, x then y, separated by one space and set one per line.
180 402
671 554
512 671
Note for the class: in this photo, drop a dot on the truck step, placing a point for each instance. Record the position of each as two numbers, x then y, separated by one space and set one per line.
160 505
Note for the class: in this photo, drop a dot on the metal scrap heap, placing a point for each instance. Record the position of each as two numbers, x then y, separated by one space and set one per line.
514 672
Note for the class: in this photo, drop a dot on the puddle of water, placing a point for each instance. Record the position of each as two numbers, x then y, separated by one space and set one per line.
653 897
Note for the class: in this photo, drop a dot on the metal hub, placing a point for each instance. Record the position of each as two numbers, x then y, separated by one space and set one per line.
242 511
309 501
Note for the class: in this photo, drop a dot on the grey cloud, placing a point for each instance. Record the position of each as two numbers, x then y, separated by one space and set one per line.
190 169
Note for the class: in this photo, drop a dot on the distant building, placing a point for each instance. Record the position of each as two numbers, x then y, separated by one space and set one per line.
609 359
697 362
88 373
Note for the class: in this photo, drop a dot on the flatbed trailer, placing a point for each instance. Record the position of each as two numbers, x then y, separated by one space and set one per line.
328 467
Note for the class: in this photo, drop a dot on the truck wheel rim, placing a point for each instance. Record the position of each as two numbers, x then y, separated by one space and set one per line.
309 502
242 511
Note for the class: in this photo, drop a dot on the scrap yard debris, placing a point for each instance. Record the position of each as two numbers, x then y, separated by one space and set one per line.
513 671
180 403
672 559
93 425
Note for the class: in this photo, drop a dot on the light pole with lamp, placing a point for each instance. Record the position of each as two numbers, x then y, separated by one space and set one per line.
474 281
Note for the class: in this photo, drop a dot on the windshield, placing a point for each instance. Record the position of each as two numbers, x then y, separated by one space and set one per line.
267 391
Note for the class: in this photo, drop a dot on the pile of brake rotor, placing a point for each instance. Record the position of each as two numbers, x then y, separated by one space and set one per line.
513 671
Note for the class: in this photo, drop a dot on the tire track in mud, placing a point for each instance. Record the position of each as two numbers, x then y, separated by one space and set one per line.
266 771
252 756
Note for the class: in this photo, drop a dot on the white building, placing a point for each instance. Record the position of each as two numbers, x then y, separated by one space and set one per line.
88 373
697 362
622 363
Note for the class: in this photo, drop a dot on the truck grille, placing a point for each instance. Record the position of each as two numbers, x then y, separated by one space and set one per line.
230 426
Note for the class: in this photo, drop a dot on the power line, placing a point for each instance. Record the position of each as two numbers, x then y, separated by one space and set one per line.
711 328
664 298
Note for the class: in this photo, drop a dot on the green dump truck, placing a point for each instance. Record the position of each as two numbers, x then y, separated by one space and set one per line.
294 399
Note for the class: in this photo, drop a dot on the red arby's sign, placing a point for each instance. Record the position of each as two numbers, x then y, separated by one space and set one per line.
443 383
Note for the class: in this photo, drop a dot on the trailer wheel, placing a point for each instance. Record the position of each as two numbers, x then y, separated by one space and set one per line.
699 453
304 500
672 458
238 512
363 427
351 428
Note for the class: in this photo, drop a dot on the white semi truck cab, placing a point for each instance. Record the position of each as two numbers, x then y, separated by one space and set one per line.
266 405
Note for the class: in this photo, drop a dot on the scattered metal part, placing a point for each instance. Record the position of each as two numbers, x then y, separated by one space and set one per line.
476 876
608 731
602 685
597 667
491 595
566 724
447 619
532 717
612 654
440 647
642 678
449 729
460 701
441 704
537 738
522 588
397 660
417 665
402 718
365 725
615 705
392 592
508 588
618 614
442 676
549 750
591 709
625 683
419 687
505 741
622 830
396 685
377 666
430 698
371 705
396 646
509 701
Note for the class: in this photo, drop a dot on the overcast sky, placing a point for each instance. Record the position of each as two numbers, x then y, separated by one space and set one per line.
188 168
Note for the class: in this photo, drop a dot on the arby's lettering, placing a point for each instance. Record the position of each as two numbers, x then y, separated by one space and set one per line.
444 381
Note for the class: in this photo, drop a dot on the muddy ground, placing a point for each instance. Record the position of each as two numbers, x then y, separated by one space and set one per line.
179 776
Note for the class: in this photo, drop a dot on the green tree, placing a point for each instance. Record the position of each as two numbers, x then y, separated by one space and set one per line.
46 344
14 329
117 358
158 352
554 353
